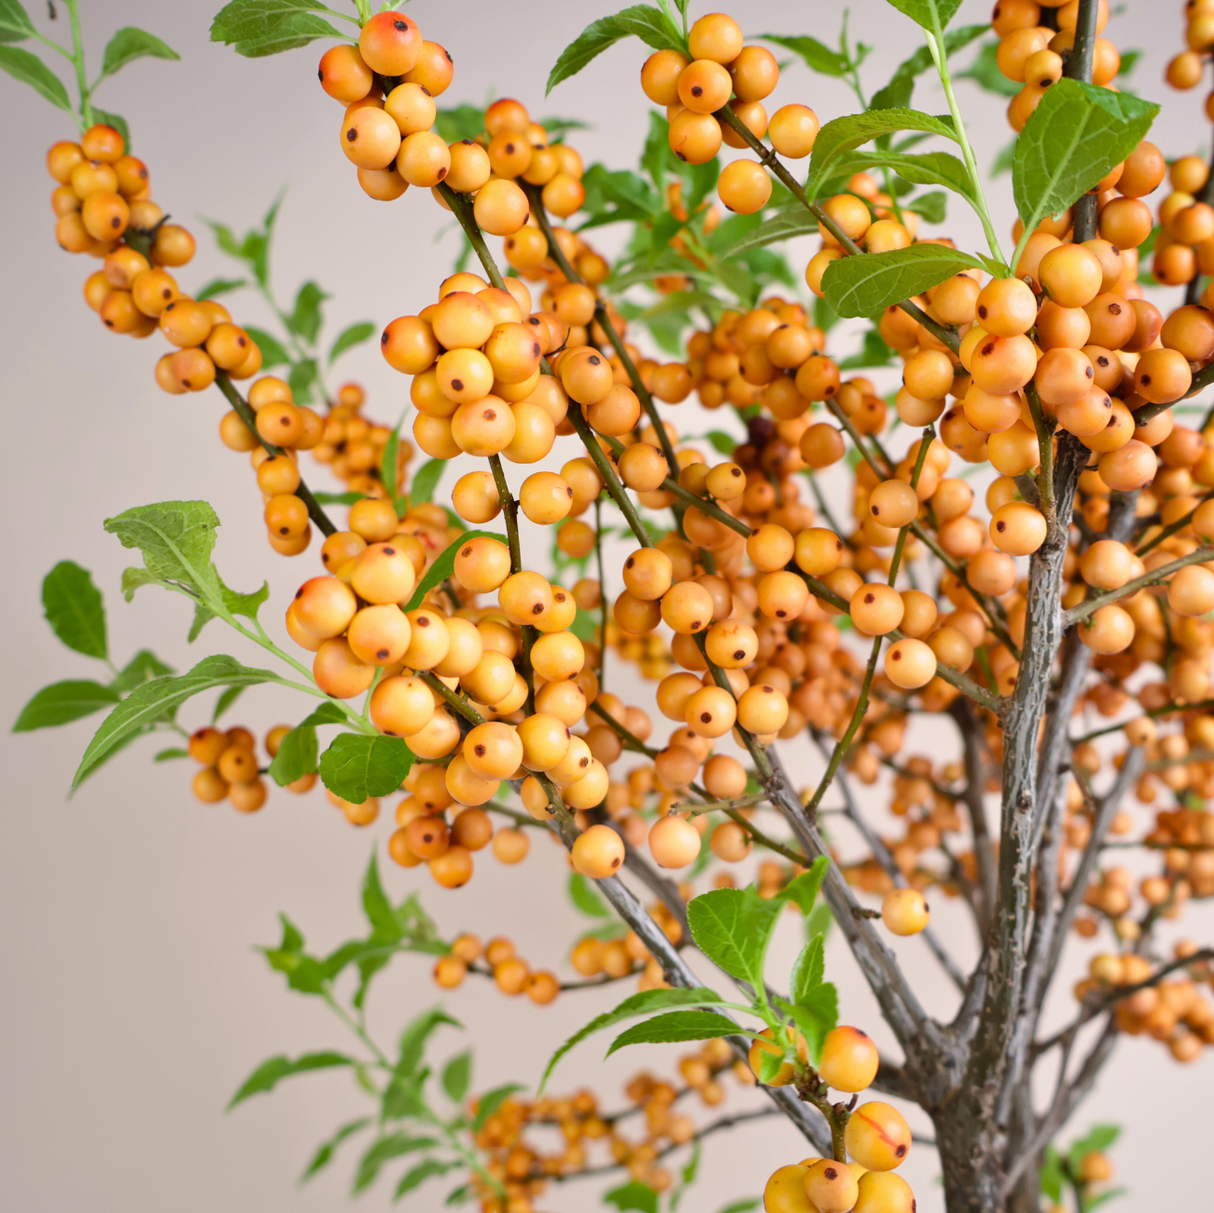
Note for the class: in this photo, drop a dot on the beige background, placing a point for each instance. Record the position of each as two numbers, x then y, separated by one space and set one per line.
131 1005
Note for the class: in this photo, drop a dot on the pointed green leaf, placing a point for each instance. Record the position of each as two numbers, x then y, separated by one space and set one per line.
816 1015
1100 1137
130 43
63 702
654 27
639 1004
678 1025
225 701
924 168
145 705
418 1176
425 481
348 338
141 668
221 286
1072 139
15 25
385 926
21 65
170 754
457 1075
176 539
74 609
304 320
117 121
489 1103
325 1152
932 15
584 897
273 352
267 1075
786 225
817 57
808 970
733 928
416 1033
444 564
256 28
846 134
898 91
633 1195
804 889
867 283
384 1150
245 604
298 754
357 765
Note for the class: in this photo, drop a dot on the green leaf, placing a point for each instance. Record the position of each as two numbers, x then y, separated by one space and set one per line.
273 353
819 922
457 1075
266 27
130 43
338 498
1074 136
324 1154
874 352
845 134
221 286
63 702
785 225
639 1004
425 481
733 928
348 338
117 121
1100 1138
1094 1202
176 539
416 1033
898 91
462 122
418 1176
585 898
267 1075
356 766
304 320
245 604
741 1206
816 1015
21 65
74 609
868 283
444 565
15 25
804 889
170 754
385 926
925 168
633 1195
932 15
1004 160
818 58
384 1150
144 706
1052 1174
930 205
489 1103
678 1025
225 701
653 26
985 73
722 442
304 376
808 970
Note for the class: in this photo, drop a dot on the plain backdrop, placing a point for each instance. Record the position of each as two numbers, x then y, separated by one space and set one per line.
131 1002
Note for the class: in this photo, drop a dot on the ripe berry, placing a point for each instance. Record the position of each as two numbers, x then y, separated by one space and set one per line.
598 852
390 43
674 842
878 1136
849 1059
904 911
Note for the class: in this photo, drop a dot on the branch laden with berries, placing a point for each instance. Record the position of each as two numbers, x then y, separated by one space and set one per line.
817 593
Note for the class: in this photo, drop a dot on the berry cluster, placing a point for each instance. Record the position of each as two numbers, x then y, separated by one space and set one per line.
230 770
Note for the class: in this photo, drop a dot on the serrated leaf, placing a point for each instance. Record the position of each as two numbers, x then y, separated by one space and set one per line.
818 58
444 565
75 610
349 337
15 25
384 1150
676 1026
129 44
651 25
808 970
273 353
298 753
425 481
584 897
326 1150
733 927
270 1073
256 28
639 1004
176 539
356 766
489 1103
924 168
786 225
22 65
457 1075
62 702
418 1176
145 705
845 134
1072 139
867 283
932 15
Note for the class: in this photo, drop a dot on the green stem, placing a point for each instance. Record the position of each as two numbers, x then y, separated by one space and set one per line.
598 552
935 44
607 472
86 105
461 208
